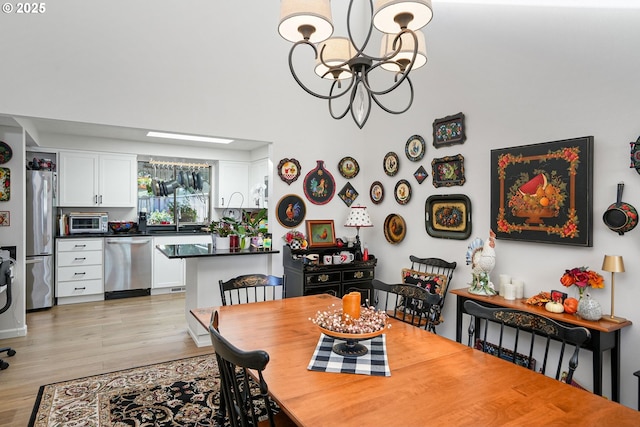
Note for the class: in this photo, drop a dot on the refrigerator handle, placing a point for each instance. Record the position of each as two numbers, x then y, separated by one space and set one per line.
46 213
34 261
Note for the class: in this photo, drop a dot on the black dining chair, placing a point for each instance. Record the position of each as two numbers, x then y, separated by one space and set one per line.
244 401
252 288
408 303
524 328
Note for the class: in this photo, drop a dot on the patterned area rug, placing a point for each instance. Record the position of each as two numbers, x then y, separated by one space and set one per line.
178 393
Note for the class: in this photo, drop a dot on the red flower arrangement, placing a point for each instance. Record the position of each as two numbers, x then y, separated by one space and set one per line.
582 278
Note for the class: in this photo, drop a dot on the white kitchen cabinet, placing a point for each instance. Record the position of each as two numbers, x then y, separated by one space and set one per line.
168 274
232 184
79 270
89 179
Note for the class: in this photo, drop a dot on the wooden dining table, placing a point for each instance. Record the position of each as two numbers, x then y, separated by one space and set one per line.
434 381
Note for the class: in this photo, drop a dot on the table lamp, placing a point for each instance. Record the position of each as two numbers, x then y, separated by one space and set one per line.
614 264
358 217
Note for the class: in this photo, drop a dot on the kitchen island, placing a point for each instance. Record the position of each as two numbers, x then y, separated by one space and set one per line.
204 267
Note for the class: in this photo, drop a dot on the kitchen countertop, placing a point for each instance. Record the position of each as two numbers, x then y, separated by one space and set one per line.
137 234
201 250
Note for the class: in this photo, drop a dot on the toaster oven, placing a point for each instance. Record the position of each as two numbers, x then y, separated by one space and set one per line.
86 223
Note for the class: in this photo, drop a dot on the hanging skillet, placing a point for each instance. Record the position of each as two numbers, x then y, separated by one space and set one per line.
620 217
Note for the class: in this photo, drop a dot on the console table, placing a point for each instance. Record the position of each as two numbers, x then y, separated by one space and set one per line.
604 335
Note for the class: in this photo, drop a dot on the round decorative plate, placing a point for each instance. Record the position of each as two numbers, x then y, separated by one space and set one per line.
291 210
415 148
391 163
289 170
403 192
5 153
348 167
319 185
376 192
394 228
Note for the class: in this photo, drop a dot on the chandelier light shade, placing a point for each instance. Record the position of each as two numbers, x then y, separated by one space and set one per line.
613 264
344 64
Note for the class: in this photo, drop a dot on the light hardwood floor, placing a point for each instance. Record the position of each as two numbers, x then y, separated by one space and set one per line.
73 341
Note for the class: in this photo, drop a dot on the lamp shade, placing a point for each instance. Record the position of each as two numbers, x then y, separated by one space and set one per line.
295 14
406 51
613 263
334 51
386 13
358 217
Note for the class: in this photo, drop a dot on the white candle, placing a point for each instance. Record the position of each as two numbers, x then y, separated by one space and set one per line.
519 285
504 279
509 291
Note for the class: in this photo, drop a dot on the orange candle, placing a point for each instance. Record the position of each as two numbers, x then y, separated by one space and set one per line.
351 305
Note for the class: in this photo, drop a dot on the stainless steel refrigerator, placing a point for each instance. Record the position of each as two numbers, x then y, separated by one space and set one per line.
40 237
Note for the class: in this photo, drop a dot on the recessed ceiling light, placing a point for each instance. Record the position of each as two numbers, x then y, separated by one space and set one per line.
189 137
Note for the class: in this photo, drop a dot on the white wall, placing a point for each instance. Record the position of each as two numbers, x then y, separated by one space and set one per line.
521 75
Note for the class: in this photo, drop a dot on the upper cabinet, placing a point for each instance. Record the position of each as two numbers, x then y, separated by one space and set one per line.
89 179
232 184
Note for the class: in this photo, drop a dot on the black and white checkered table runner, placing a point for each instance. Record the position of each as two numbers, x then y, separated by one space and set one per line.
375 362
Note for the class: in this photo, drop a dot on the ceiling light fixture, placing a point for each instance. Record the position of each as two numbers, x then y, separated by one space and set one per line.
341 60
189 137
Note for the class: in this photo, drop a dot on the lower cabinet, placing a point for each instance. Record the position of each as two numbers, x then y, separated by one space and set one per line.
79 270
337 280
168 274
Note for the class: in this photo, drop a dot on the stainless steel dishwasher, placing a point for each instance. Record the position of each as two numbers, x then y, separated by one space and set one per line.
127 266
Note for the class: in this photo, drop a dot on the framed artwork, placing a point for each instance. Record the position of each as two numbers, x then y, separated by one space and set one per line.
5 219
449 130
403 192
448 171
448 216
415 148
544 192
291 210
319 185
376 192
5 184
394 229
289 170
348 167
420 174
348 194
5 152
320 233
391 163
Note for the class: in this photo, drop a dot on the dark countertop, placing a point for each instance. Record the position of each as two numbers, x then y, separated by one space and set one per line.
201 251
137 234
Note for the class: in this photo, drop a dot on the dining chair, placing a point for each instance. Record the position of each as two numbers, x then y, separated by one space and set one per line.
252 288
435 274
408 303
244 401
525 327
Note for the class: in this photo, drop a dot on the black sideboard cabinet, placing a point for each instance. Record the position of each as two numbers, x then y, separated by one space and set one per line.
305 278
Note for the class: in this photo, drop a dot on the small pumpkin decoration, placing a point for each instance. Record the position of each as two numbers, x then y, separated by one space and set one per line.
554 307
570 305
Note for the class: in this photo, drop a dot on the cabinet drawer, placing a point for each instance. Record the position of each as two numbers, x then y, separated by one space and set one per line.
83 272
73 289
67 259
321 278
80 245
357 275
332 289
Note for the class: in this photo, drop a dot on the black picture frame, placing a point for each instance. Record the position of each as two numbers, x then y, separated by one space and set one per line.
291 210
544 192
448 216
449 130
448 171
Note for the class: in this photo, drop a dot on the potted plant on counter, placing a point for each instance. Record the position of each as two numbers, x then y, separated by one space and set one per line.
252 227
221 230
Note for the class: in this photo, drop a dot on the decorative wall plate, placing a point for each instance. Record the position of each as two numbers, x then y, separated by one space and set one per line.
291 210
5 184
5 152
289 170
448 171
403 192
394 229
376 192
449 130
348 194
420 174
415 148
391 163
319 185
348 167
448 216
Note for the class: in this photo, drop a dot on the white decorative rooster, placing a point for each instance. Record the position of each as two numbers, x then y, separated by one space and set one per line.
482 257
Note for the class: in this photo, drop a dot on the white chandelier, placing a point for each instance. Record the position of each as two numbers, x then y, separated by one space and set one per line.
339 59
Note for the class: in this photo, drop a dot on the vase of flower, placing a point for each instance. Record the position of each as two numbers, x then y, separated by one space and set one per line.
295 244
588 308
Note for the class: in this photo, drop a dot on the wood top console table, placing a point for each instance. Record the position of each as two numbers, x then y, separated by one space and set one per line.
604 335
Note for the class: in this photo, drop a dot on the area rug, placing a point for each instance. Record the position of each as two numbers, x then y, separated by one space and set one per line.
178 393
